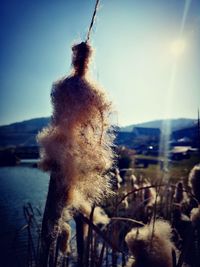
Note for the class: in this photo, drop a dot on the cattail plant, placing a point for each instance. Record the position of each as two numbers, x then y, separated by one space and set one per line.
180 195
195 217
150 246
118 179
194 181
76 148
78 141
99 215
149 195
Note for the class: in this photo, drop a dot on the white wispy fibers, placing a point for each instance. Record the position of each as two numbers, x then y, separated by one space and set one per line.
194 181
117 178
150 250
78 141
99 215
150 195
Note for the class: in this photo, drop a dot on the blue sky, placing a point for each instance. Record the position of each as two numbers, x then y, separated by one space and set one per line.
135 59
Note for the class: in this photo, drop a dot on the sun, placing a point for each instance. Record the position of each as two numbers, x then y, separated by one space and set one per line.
177 47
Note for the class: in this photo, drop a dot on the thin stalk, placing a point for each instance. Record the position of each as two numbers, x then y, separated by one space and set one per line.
100 262
127 219
89 239
79 239
101 234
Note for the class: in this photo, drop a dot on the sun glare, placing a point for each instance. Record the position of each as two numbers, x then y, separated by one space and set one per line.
177 47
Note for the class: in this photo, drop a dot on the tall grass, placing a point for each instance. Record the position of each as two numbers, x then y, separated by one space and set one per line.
139 203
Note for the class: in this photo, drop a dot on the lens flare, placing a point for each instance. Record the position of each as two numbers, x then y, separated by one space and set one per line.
177 47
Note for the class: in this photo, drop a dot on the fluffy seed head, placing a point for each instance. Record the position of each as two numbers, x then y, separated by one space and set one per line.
151 250
195 217
179 194
99 215
194 181
78 142
81 58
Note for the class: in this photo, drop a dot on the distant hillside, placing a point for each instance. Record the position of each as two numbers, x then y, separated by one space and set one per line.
25 126
176 124
24 133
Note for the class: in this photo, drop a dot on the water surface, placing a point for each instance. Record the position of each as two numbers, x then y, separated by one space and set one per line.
18 186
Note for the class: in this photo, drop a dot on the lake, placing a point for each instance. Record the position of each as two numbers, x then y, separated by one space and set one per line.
18 186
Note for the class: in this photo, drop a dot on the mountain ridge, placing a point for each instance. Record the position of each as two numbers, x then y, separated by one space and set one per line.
176 124
24 133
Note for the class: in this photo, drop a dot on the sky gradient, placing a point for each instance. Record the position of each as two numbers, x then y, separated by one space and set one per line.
135 60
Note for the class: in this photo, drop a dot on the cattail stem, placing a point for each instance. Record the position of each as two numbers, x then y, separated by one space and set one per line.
80 239
99 264
89 239
50 224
